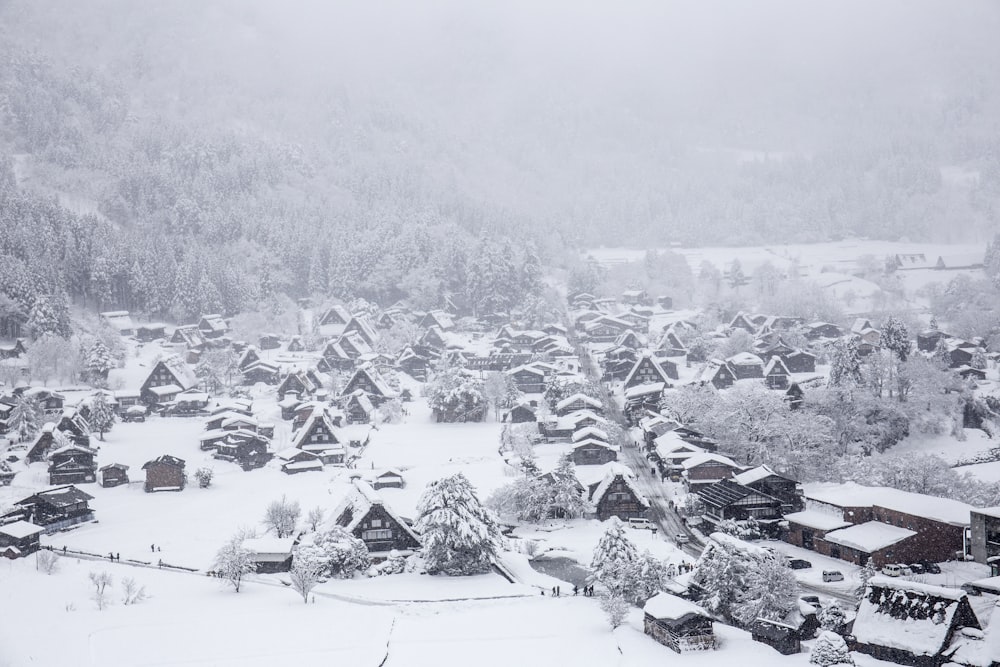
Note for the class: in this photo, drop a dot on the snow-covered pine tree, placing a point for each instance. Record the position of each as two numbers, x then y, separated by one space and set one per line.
98 363
613 557
49 314
829 650
460 536
645 577
942 353
866 572
102 415
768 591
525 499
565 490
832 617
845 363
343 554
895 337
979 359
27 417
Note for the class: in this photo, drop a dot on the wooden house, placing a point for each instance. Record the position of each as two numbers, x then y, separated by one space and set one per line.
169 377
414 363
746 366
146 333
75 426
649 370
388 479
296 344
718 374
244 448
120 321
776 374
579 401
765 480
617 495
359 408
820 330
14 350
319 436
370 381
782 637
336 316
189 336
678 624
212 326
269 341
294 461
795 396
909 623
261 371
742 321
529 378
44 442
249 357
362 328
56 508
800 361
165 473
72 464
298 383
636 297
367 517
436 318
605 329
113 474
728 500
522 413
670 345
591 451
270 554
19 539
52 403
708 468
927 341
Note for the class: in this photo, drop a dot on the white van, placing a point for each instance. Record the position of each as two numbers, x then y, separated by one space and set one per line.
892 570
639 522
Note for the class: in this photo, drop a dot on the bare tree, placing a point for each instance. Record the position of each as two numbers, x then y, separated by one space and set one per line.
307 568
46 561
281 516
315 518
133 592
233 561
101 581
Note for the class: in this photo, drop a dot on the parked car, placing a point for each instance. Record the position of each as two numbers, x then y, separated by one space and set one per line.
905 570
916 568
799 564
832 575
892 570
930 568
640 522
681 538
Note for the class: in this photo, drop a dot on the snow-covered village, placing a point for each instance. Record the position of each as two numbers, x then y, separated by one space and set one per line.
405 334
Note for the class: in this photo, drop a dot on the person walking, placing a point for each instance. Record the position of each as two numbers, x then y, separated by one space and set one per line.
152 547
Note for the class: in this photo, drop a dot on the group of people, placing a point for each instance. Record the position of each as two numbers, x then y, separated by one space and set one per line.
588 591
113 557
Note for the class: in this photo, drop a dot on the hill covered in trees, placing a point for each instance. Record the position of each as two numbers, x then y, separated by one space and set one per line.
203 154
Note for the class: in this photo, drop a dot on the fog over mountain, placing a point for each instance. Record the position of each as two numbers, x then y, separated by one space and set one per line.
307 129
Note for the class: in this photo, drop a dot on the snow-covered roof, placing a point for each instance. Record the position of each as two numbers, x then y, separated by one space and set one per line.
707 457
313 464
851 494
645 389
665 605
817 520
977 648
748 477
745 359
20 529
737 543
615 471
594 442
869 536
569 400
360 501
590 432
889 622
269 545
165 390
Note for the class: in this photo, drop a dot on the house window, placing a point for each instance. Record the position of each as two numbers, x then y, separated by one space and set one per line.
376 535
375 523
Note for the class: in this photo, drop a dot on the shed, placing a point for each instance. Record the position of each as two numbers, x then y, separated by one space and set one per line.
678 624
113 474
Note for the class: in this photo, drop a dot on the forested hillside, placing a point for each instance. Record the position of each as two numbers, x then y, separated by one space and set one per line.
211 152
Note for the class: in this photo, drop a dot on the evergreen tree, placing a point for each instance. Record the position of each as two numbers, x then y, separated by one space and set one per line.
830 650
845 364
895 337
343 554
102 416
735 276
565 490
98 363
979 359
942 353
866 572
27 417
49 315
460 536
645 577
613 558
832 617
